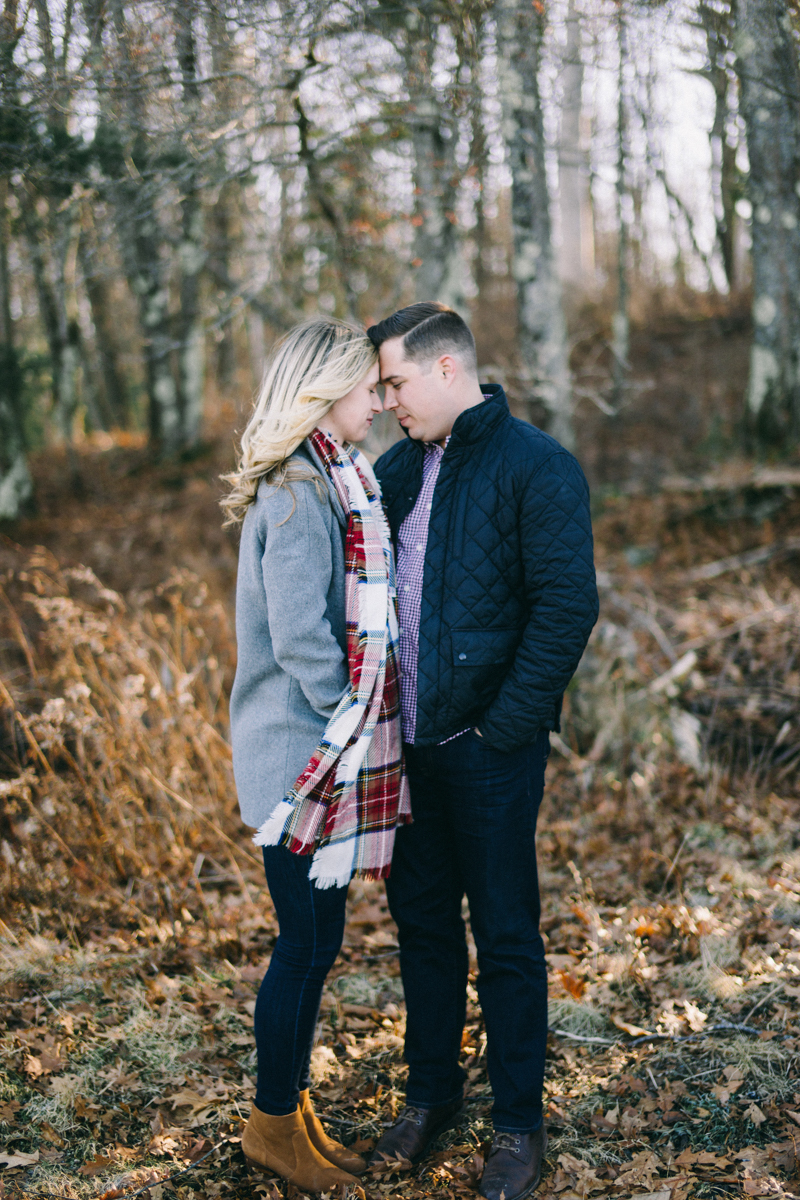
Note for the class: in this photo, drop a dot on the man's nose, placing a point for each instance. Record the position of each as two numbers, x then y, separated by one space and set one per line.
389 400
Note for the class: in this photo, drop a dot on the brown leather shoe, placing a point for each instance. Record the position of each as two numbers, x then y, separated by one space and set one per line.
514 1166
282 1145
339 1155
413 1131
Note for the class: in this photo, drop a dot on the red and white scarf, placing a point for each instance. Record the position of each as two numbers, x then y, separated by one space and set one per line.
347 803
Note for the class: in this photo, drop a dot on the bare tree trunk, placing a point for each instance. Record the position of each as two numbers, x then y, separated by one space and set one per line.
320 196
620 343
56 291
577 241
113 405
61 329
717 24
437 258
542 331
768 71
478 156
15 480
192 255
222 221
136 216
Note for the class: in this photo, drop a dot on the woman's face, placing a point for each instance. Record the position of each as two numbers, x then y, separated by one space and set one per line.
350 418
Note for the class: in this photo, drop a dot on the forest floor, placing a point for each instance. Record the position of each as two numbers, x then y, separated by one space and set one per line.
136 925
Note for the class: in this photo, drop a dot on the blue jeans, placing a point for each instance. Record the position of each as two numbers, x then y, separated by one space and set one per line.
311 923
474 833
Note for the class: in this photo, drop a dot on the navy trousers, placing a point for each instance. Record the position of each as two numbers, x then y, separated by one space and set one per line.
474 833
311 923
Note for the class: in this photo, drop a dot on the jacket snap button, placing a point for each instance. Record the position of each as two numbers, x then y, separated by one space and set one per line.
462 657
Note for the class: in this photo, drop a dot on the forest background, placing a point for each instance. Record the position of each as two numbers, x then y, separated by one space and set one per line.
610 192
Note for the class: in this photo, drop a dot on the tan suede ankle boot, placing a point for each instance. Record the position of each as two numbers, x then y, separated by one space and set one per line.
282 1145
328 1148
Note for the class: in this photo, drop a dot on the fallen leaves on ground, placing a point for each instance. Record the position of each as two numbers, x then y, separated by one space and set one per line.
137 925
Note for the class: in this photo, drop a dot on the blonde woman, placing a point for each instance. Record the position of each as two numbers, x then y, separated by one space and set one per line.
315 727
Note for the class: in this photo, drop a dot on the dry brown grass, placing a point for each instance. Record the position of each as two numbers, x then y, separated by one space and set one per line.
136 924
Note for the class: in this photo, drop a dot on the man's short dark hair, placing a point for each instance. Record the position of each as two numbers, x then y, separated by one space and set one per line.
428 329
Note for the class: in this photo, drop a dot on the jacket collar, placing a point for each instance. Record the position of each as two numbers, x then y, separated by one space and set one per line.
480 421
306 450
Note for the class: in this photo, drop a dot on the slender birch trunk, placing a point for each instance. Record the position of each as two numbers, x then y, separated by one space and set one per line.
53 248
577 243
222 219
717 25
60 328
15 480
542 330
191 254
113 403
620 341
767 66
437 258
321 198
134 195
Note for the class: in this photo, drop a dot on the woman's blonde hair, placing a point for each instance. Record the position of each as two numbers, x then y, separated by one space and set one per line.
316 364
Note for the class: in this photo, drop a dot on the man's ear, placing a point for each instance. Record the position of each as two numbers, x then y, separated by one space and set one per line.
447 368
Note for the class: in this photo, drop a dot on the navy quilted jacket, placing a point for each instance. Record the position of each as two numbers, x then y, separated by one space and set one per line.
509 595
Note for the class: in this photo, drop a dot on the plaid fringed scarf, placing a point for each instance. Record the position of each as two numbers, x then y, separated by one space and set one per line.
347 803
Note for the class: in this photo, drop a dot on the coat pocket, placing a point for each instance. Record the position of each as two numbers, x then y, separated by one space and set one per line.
483 647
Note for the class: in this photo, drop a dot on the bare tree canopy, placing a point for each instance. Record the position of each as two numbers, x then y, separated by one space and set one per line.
181 182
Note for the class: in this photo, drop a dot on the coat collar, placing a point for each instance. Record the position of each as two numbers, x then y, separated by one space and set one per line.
306 450
480 421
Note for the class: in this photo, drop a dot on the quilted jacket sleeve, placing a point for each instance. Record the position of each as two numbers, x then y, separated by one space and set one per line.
561 594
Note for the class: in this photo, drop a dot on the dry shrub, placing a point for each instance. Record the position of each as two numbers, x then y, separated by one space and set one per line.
113 741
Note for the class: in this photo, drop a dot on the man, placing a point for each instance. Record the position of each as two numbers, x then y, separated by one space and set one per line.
496 600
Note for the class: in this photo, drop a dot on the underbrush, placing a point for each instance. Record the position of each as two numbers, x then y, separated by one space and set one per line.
136 926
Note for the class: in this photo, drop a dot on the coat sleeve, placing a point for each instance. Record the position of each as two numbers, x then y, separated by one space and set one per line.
561 595
297 568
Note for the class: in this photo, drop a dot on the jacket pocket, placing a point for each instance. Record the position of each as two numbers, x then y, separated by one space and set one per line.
483 647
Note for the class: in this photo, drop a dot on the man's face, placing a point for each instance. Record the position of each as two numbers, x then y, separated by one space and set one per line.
419 395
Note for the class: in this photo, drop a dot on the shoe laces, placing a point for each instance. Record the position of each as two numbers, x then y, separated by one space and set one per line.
415 1115
506 1141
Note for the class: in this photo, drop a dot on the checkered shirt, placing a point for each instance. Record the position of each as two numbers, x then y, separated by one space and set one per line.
411 542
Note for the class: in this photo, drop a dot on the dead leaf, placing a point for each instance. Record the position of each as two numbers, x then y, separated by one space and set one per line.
574 986
100 1162
9 1159
51 1135
163 1143
33 1066
198 1148
626 1027
695 1016
187 1098
701 1158
766 1186
755 1115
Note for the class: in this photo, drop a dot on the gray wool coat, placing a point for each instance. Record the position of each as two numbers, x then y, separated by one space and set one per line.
290 630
